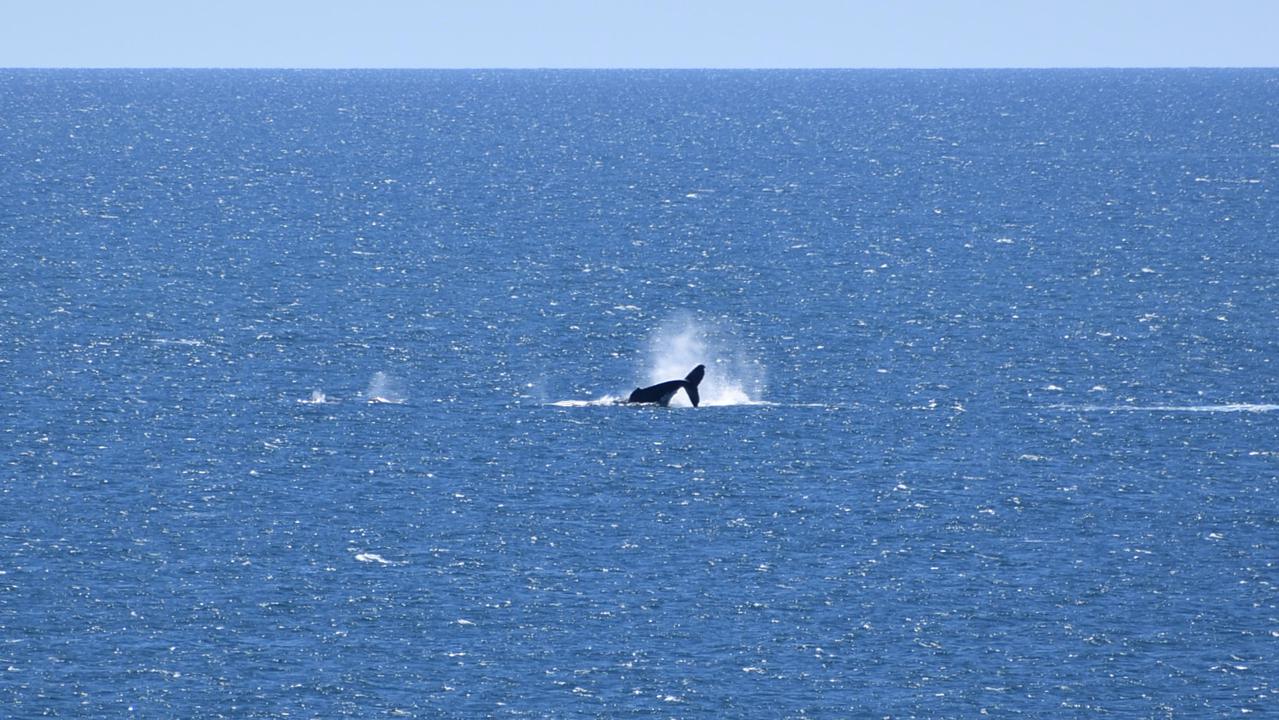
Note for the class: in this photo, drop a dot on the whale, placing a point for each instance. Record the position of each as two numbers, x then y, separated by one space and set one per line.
662 393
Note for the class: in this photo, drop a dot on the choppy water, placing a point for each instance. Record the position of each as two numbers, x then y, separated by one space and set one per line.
307 382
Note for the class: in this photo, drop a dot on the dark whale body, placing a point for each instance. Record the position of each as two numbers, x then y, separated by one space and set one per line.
662 393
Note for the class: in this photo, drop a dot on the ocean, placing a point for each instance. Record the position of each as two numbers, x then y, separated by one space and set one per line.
310 383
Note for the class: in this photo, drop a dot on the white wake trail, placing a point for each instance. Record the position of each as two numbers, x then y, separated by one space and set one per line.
1224 408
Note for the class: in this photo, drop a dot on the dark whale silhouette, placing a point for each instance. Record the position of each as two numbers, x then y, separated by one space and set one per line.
661 393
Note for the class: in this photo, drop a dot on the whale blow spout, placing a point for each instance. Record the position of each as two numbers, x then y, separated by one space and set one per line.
662 393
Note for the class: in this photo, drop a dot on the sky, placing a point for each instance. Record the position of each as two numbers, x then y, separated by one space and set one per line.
639 33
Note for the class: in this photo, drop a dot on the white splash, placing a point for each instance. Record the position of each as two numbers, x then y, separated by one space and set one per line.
368 557
317 398
384 389
684 342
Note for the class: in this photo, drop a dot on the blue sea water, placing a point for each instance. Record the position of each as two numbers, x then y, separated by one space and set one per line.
307 387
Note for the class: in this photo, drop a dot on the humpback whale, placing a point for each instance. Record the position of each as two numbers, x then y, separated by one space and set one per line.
661 393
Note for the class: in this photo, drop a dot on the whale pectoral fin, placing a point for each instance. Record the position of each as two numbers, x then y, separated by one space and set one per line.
693 397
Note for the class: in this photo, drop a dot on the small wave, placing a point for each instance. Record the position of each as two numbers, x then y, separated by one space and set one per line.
367 557
1226 408
317 398
1229 181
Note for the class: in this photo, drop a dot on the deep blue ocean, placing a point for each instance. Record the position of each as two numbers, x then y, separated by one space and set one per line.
309 383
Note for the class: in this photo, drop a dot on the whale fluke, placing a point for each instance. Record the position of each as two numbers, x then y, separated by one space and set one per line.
662 393
692 380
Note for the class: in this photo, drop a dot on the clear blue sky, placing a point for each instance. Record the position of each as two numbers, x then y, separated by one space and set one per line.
638 33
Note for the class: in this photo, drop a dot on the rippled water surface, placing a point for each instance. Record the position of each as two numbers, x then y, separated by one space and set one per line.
308 392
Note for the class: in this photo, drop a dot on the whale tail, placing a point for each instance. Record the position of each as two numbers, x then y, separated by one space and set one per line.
662 392
692 380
